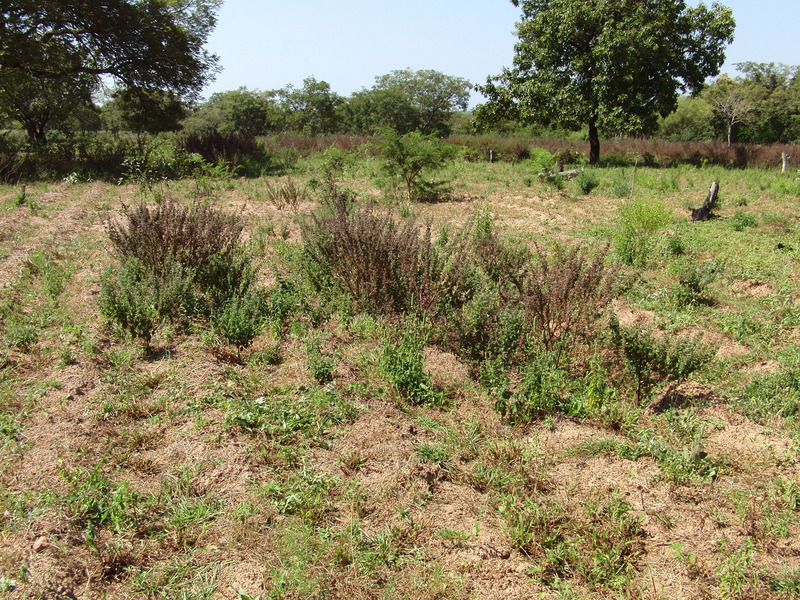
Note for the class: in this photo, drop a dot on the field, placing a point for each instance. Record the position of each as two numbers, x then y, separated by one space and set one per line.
350 450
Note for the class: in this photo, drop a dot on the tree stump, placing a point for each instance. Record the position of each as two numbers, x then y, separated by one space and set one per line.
704 212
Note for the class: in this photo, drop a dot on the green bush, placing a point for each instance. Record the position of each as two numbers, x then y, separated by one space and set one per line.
652 360
541 161
693 282
409 158
139 300
586 181
541 389
240 319
636 225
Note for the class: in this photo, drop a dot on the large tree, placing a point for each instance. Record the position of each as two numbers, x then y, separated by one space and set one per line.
434 95
239 111
612 65
312 109
49 45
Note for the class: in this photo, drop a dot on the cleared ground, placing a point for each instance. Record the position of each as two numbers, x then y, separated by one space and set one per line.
197 471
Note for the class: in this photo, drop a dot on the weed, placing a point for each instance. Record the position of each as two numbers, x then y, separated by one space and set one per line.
786 582
21 196
653 360
769 395
321 366
541 391
93 500
693 282
565 293
676 246
284 194
434 454
380 265
733 573
637 223
742 221
285 418
586 181
241 319
302 492
404 365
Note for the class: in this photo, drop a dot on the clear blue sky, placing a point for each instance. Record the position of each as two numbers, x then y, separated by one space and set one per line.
267 44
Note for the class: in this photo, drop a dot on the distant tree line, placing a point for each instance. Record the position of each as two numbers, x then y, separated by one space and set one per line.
760 106
403 100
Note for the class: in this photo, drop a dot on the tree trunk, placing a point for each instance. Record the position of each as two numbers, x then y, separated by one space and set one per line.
594 143
37 134
704 212
730 134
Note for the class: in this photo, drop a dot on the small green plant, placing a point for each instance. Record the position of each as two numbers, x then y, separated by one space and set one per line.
435 454
733 574
540 392
321 366
586 181
637 224
786 582
404 365
652 360
742 221
676 246
693 282
769 395
240 319
21 196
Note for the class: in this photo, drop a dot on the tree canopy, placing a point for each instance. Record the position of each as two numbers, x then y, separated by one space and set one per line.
612 65
51 45
434 95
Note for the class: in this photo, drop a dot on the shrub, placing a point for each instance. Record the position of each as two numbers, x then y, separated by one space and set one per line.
138 300
653 360
586 181
542 161
180 263
195 236
382 266
693 282
239 150
240 319
407 158
565 293
637 223
539 392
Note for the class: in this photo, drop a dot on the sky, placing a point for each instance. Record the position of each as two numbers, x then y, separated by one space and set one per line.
268 44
